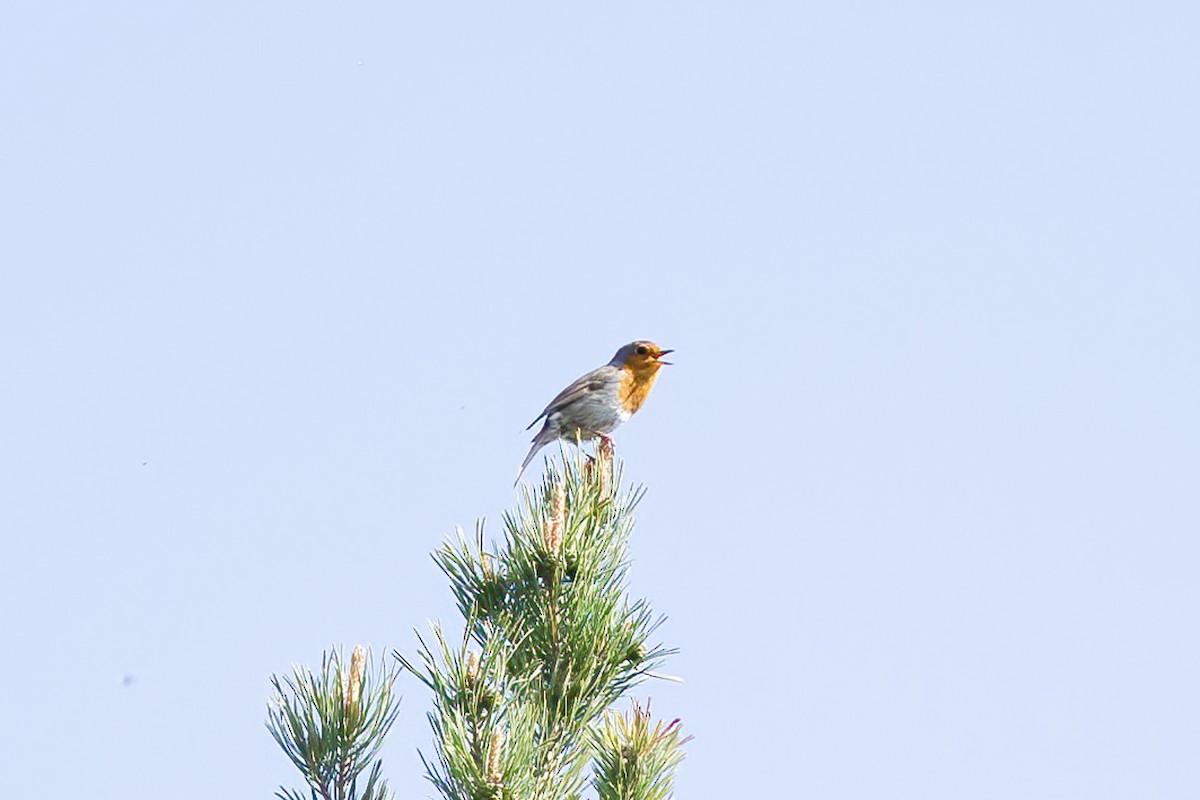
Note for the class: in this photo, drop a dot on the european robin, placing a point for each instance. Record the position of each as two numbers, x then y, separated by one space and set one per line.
596 404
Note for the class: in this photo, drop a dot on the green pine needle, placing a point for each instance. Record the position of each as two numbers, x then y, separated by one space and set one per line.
551 640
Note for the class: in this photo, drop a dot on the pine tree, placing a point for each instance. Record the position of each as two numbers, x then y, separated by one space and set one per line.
550 641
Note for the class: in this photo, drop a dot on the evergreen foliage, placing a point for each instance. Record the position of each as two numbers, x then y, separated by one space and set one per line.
550 642
332 723
635 760
522 697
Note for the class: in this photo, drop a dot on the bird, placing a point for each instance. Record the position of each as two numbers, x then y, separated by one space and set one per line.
598 403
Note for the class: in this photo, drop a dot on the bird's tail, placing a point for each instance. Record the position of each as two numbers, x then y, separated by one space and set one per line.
544 436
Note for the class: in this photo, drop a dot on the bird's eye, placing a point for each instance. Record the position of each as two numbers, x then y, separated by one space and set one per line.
641 351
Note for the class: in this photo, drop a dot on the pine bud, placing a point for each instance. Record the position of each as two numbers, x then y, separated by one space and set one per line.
472 666
495 751
604 464
353 683
558 511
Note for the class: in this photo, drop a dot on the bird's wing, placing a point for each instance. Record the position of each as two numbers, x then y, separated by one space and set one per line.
594 381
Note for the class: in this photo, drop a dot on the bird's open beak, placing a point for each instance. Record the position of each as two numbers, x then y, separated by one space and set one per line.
662 353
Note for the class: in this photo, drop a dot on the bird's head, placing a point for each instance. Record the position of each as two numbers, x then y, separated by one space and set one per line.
641 357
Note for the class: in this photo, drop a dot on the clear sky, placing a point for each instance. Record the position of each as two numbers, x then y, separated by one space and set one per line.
283 283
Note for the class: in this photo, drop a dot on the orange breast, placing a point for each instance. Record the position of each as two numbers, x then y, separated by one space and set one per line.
635 386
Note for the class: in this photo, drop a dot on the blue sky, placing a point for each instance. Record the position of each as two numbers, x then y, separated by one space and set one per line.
282 285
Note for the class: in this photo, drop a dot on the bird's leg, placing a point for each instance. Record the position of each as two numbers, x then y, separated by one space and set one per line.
578 442
588 465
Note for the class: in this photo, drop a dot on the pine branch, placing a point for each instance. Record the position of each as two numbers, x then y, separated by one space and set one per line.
550 641
331 725
635 761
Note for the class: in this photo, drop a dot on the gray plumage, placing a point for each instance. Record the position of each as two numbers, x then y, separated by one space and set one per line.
590 406
596 404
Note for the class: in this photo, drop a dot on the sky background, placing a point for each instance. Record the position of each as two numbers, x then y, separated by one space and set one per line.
282 284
